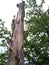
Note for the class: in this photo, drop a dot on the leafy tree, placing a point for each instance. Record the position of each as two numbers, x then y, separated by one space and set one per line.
36 34
4 35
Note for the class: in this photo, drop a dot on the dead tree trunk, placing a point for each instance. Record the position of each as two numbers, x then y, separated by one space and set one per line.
16 52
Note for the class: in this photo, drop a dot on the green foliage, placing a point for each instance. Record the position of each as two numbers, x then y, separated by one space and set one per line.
36 39
3 58
4 34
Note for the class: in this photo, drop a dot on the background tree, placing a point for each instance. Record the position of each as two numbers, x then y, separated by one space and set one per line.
36 36
4 35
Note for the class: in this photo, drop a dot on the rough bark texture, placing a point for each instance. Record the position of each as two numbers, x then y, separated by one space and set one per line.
16 52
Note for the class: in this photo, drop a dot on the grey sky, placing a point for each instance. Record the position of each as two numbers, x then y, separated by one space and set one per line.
8 9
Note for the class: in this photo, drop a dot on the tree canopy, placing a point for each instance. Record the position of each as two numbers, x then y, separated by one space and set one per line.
36 36
4 35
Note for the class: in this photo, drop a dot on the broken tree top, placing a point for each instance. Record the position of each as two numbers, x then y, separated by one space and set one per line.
21 4
21 8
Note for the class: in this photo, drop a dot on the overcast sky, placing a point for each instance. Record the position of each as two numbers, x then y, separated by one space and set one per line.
8 9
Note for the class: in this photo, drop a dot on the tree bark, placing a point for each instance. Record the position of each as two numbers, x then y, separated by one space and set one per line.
16 52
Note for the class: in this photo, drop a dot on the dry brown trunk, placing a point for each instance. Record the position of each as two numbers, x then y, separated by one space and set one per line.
16 52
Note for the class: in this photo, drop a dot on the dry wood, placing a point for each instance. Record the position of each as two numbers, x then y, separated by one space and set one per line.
16 52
